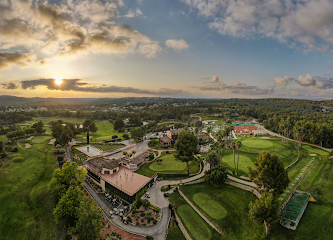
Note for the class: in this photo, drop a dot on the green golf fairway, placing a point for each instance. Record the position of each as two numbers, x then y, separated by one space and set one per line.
210 207
169 163
257 143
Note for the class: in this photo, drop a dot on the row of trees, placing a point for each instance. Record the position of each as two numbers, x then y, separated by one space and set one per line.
79 213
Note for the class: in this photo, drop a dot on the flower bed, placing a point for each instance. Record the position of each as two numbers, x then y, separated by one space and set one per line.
145 217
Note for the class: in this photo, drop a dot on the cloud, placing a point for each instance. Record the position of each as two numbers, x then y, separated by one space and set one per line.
315 82
237 87
302 24
81 86
132 13
205 78
215 79
330 64
283 81
9 85
70 28
21 59
150 50
177 45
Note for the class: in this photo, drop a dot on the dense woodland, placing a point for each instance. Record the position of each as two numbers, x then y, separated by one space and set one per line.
303 120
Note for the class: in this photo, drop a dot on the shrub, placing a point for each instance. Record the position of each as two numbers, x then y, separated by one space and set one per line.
15 149
9 142
145 203
58 146
149 238
148 214
142 220
157 210
167 152
3 155
166 194
129 219
18 159
62 151
60 158
154 221
142 214
137 223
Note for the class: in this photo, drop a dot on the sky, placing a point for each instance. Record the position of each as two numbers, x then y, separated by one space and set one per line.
170 48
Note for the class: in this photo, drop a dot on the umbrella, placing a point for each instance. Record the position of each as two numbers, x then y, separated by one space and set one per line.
110 212
120 214
147 193
107 194
121 210
115 209
114 200
125 207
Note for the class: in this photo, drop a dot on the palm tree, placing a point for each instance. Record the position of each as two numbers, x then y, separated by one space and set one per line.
221 144
238 145
233 146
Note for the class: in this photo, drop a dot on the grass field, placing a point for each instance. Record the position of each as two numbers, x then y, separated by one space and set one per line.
232 203
317 221
252 146
194 224
105 128
169 165
26 207
219 120
40 139
107 147
175 233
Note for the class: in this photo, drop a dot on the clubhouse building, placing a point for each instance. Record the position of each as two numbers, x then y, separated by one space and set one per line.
117 174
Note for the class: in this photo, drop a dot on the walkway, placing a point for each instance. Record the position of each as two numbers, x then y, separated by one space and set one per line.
242 181
158 231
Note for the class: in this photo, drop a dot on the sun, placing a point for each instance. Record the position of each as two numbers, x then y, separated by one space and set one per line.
58 80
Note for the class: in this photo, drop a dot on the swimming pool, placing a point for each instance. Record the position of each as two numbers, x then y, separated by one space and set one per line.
90 150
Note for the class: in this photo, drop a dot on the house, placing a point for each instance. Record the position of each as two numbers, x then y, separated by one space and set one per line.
173 134
165 141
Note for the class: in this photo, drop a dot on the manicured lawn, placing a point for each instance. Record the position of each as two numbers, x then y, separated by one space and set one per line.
26 207
252 147
175 233
219 120
210 206
105 128
40 139
257 143
194 224
3 138
317 220
235 224
107 147
169 165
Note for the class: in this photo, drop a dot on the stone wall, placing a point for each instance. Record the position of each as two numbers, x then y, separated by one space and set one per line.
244 187
197 210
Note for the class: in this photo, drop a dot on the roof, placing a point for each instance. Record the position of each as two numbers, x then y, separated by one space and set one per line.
295 206
165 139
102 162
175 131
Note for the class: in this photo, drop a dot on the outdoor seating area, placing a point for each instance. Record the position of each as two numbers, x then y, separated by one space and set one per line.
118 208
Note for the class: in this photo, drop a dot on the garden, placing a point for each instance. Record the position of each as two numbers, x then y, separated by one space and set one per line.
144 214
166 164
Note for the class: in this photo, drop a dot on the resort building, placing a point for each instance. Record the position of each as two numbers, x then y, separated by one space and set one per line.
173 134
117 174
165 141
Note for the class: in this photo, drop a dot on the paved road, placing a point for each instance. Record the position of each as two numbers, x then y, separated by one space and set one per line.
68 154
158 231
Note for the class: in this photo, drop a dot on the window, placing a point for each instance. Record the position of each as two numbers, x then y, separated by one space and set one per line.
106 172
114 170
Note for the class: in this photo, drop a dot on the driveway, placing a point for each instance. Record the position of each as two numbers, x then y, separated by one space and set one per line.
158 231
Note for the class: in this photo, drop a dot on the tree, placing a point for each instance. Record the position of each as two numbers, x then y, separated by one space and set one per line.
145 203
265 209
68 205
65 137
269 173
39 127
125 135
233 146
118 125
89 220
213 159
221 144
137 133
238 145
186 147
89 125
217 175
1 146
198 124
63 178
57 129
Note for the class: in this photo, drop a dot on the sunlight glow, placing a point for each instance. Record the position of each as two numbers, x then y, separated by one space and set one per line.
58 80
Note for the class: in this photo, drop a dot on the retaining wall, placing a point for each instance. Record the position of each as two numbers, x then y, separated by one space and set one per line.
244 187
